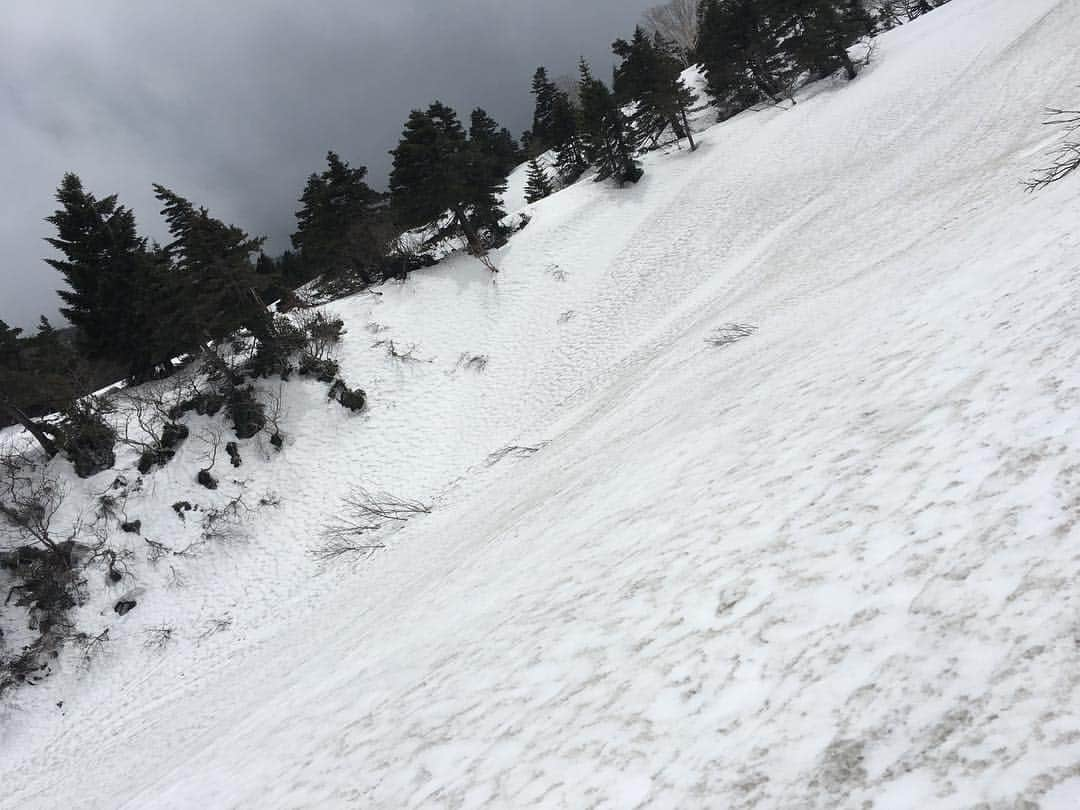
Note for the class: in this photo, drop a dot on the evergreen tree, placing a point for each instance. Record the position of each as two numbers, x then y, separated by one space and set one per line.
485 170
338 229
424 180
545 94
823 30
213 262
564 116
438 170
36 378
120 289
538 186
740 44
638 68
656 76
570 162
507 150
101 253
10 350
604 131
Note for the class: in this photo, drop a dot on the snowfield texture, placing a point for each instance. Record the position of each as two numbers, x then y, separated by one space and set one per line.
831 565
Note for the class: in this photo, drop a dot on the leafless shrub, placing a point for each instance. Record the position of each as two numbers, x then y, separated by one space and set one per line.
225 522
211 439
271 499
402 355
156 550
115 561
214 626
158 638
484 258
1065 159
322 330
732 333
557 273
92 646
364 512
30 498
275 414
514 451
176 578
472 362
339 546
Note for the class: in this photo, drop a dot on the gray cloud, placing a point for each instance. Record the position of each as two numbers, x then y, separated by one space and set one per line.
233 104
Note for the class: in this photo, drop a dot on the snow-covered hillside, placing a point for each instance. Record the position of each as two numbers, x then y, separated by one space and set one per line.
831 565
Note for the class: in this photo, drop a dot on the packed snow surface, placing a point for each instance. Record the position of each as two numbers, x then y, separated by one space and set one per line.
833 564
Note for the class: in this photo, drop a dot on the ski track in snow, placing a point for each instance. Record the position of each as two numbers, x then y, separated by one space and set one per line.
832 565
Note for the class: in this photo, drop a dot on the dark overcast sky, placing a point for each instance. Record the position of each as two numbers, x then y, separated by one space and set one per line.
232 103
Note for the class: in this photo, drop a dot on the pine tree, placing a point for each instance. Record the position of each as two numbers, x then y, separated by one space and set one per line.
638 68
101 251
740 45
823 30
663 100
604 131
119 288
36 378
425 180
438 170
485 170
338 229
570 162
545 94
538 186
213 262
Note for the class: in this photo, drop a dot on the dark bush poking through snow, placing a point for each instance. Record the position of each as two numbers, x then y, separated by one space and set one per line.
352 398
88 440
246 412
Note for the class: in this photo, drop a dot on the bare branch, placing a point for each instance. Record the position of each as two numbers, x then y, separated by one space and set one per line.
732 333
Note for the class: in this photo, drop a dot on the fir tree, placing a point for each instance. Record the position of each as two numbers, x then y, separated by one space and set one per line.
823 30
662 98
740 46
570 162
36 378
604 131
120 289
538 186
485 170
545 94
213 262
438 170
101 251
338 229
638 68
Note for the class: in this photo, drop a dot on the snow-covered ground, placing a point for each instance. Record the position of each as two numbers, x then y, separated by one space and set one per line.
831 565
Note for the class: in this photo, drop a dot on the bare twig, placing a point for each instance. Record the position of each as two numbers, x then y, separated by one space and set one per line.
732 333
515 451
1065 158
475 362
158 638
365 512
405 356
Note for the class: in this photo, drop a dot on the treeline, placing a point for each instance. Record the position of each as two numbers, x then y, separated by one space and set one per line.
135 304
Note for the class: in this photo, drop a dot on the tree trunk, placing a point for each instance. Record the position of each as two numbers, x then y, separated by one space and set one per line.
471 236
845 60
689 134
32 427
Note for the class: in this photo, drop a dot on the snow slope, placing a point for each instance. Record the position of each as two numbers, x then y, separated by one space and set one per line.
832 565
